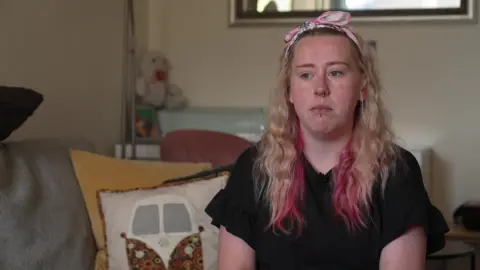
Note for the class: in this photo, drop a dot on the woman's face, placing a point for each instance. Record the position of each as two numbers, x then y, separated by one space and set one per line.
325 85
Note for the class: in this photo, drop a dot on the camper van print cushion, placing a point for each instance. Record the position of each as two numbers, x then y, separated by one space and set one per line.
162 228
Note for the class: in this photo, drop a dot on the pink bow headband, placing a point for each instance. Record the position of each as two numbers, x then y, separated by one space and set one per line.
337 20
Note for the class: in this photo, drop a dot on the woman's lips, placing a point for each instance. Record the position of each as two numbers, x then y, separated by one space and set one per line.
321 108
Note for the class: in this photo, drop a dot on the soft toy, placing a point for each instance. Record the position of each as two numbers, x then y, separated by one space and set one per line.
152 82
153 87
175 98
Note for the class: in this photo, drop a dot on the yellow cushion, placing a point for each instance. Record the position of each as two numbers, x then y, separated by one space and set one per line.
101 260
95 172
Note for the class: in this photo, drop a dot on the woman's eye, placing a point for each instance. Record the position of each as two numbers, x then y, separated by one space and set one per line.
306 76
336 73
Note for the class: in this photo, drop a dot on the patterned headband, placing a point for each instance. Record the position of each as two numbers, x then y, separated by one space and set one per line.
337 20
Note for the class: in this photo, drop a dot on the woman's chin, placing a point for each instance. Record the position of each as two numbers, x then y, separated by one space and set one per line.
322 131
325 130
322 126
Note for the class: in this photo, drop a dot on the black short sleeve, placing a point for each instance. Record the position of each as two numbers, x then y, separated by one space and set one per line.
234 206
406 204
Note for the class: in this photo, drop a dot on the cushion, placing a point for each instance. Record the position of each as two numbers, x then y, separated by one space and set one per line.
17 104
95 172
44 223
101 260
164 226
219 148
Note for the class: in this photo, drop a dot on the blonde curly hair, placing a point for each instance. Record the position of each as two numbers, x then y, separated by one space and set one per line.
369 155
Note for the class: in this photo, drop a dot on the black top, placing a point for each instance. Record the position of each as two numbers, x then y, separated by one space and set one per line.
325 242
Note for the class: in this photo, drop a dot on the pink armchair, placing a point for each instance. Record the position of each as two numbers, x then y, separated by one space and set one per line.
202 146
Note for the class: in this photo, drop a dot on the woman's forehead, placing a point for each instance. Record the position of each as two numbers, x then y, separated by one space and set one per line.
323 48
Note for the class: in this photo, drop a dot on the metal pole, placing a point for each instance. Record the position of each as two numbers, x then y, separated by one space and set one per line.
133 70
125 82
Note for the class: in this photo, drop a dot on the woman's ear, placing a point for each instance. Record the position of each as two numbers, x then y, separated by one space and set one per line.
363 93
363 89
289 95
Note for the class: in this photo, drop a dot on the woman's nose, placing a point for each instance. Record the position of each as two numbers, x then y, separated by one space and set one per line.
321 81
321 88
323 92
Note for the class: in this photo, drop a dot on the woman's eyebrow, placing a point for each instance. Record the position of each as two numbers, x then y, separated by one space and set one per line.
311 65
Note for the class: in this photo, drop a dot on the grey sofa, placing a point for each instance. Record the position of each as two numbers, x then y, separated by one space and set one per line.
44 223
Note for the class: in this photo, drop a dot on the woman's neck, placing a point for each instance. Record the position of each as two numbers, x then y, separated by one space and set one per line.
324 154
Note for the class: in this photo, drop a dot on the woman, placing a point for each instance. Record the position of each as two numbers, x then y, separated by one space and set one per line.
326 187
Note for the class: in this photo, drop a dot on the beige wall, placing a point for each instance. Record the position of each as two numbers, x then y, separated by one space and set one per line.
430 71
71 52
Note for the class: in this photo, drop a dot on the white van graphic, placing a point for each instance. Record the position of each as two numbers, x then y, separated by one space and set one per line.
163 235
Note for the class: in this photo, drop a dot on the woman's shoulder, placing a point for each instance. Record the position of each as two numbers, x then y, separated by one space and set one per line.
406 203
234 207
243 174
406 169
246 159
405 155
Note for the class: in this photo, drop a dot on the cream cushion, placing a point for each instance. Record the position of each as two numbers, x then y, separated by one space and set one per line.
95 172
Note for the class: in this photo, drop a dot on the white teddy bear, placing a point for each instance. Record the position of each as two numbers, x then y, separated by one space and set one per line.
152 81
175 98
152 84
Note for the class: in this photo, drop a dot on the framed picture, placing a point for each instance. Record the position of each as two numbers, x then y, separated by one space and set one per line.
289 13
